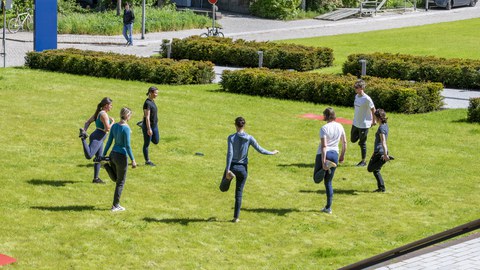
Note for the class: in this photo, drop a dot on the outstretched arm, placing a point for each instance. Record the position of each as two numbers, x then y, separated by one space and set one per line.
259 149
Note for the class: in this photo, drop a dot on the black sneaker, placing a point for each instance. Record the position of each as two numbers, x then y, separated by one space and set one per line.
101 159
98 181
379 190
140 123
391 157
362 164
149 163
83 134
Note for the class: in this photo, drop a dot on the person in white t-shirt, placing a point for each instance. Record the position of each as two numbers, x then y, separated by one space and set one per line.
362 120
331 134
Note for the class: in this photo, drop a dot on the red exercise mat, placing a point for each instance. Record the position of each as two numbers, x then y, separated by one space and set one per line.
4 259
320 117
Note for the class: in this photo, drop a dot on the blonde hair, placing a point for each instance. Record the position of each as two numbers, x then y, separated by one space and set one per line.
125 113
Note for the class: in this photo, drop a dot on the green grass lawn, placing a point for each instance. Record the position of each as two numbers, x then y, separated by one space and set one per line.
457 39
53 217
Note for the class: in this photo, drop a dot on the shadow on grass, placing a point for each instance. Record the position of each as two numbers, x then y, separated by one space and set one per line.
88 165
277 211
299 165
181 221
74 208
53 183
463 120
335 191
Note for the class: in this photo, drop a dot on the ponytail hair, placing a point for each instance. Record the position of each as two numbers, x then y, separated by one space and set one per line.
329 114
105 101
125 113
382 115
151 89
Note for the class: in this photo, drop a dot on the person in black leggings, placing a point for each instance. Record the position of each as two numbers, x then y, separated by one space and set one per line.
150 123
117 168
103 123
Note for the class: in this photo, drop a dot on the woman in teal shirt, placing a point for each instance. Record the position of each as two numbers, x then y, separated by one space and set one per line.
117 168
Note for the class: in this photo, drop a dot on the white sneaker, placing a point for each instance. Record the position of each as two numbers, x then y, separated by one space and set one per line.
326 210
330 164
117 208
230 175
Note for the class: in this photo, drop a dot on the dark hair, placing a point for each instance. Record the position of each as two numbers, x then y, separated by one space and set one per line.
240 122
105 101
152 89
382 115
329 114
360 84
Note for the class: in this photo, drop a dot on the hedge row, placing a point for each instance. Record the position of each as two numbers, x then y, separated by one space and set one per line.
125 67
389 94
241 53
457 73
473 114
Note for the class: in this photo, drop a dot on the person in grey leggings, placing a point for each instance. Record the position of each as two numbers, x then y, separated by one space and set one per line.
117 168
103 123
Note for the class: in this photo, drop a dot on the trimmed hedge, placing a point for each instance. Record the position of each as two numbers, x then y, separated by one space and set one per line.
474 110
241 53
119 66
457 73
389 94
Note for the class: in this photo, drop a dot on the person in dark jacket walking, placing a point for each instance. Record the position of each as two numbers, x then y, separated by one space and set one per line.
128 19
237 162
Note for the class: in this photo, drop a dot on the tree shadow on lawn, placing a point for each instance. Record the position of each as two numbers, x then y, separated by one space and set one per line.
299 165
335 191
53 183
74 208
277 211
181 221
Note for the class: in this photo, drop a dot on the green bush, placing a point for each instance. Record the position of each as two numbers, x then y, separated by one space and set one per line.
225 51
389 94
275 9
474 110
457 73
125 67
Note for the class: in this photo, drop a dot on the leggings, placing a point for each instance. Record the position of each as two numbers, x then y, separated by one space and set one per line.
319 174
119 164
94 148
155 138
375 165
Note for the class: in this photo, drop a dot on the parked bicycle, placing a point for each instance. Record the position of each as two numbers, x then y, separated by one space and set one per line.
22 21
212 32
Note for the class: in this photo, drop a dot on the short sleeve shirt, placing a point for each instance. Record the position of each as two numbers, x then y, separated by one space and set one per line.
363 115
150 105
382 129
332 132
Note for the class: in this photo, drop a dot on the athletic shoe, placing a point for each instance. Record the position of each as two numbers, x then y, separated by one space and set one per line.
230 175
326 210
379 190
140 123
362 164
235 220
111 172
100 159
98 181
149 163
128 44
83 134
391 157
117 208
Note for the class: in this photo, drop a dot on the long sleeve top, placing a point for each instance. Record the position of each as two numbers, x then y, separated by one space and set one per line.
238 145
121 134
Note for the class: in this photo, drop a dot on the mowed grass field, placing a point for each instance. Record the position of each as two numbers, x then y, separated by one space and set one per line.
458 39
53 217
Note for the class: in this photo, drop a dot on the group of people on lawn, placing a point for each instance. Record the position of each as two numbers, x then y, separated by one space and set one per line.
329 154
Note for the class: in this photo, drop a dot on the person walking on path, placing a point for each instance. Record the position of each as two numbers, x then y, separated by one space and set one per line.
150 123
103 124
362 120
331 134
128 19
380 153
118 157
237 162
